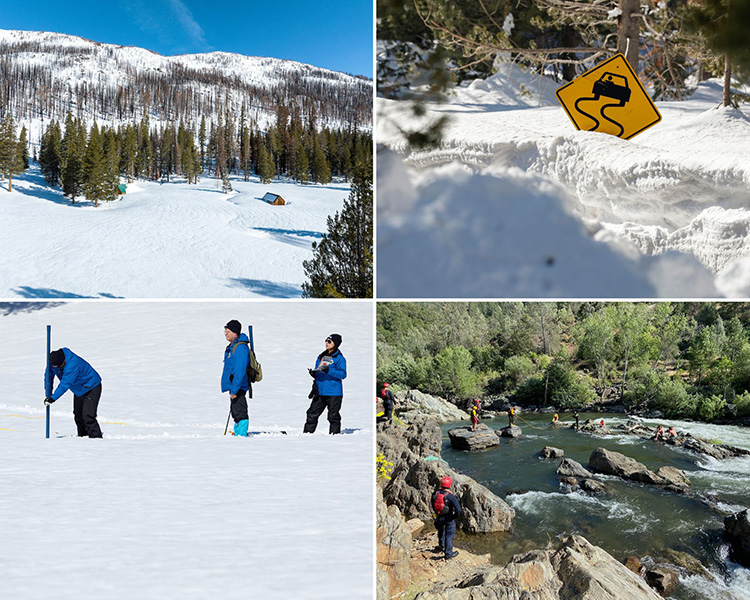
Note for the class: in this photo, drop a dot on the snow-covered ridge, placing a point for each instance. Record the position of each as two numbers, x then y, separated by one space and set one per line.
107 81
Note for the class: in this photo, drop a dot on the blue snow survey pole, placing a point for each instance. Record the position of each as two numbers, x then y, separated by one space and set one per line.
47 383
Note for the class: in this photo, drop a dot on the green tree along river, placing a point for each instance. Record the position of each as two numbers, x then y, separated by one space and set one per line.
635 519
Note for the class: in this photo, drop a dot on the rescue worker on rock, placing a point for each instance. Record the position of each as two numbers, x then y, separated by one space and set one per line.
78 376
475 415
512 415
577 417
234 376
328 389
447 509
389 402
555 418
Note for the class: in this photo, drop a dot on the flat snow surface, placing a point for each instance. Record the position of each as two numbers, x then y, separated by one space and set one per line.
161 240
517 203
165 506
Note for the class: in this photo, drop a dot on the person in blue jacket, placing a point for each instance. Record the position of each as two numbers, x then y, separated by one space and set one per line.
78 376
234 376
328 391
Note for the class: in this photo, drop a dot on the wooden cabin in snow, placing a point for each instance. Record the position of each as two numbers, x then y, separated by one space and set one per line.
273 199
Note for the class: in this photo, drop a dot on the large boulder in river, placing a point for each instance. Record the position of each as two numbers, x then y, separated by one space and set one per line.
737 527
415 477
576 570
512 431
570 468
463 438
414 404
675 478
550 452
614 463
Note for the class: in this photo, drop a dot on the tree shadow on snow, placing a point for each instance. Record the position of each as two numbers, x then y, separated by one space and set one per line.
29 292
39 188
9 308
294 237
271 289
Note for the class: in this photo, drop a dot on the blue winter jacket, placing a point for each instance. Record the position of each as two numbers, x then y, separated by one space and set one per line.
236 361
75 375
329 384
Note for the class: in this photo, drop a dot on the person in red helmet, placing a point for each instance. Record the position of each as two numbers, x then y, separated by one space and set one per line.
389 402
447 509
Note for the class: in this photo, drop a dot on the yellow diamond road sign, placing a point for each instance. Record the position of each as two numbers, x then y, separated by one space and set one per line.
609 98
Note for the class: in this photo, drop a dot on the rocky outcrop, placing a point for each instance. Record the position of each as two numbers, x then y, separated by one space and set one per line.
550 452
613 463
663 580
675 478
393 539
570 468
737 527
512 431
463 438
416 476
413 405
575 570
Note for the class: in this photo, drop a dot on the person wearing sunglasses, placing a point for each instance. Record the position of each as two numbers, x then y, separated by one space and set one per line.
328 389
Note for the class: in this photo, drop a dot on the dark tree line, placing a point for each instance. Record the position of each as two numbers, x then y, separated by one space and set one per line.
90 161
689 360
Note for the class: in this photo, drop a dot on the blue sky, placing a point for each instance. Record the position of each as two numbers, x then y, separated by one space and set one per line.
335 34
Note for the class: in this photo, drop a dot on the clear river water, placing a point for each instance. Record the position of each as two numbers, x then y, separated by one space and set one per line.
635 519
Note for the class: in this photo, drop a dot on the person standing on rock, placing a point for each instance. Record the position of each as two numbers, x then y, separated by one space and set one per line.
78 376
447 509
475 415
512 415
328 389
577 417
389 402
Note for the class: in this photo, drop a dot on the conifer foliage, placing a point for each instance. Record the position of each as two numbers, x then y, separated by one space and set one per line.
11 152
342 262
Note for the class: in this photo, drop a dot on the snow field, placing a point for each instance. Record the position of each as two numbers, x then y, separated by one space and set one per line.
682 186
165 506
161 240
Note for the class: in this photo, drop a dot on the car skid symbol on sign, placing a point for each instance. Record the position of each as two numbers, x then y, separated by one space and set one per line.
610 99
610 86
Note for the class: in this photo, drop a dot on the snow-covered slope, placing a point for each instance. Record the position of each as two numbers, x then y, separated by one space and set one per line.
161 240
107 82
165 506
682 185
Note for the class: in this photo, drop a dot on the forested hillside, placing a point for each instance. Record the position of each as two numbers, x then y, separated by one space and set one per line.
686 359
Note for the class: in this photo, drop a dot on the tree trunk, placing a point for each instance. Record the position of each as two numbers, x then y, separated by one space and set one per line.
727 81
628 30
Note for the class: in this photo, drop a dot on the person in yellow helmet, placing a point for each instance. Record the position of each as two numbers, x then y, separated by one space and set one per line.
512 415
555 418
475 415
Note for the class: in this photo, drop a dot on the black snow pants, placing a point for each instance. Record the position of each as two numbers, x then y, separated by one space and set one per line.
84 413
239 406
317 406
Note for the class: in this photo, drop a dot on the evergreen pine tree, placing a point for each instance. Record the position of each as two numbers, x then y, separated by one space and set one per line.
23 145
321 171
128 153
226 185
111 162
202 141
71 175
50 156
266 168
8 149
300 164
342 262
95 169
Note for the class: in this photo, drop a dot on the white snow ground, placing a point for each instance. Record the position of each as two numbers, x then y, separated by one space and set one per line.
161 240
517 203
165 506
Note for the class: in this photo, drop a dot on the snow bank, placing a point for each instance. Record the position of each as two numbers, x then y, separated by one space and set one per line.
482 236
165 506
680 186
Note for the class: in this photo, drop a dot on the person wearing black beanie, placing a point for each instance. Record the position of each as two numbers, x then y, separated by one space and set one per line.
234 375
327 390
78 376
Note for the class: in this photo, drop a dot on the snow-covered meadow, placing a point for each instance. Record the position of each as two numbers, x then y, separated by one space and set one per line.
161 240
516 203
165 506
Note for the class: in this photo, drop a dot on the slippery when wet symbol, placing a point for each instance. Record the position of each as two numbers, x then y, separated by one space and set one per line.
610 99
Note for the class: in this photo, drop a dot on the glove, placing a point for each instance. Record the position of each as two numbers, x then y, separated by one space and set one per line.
48 401
324 368
312 373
